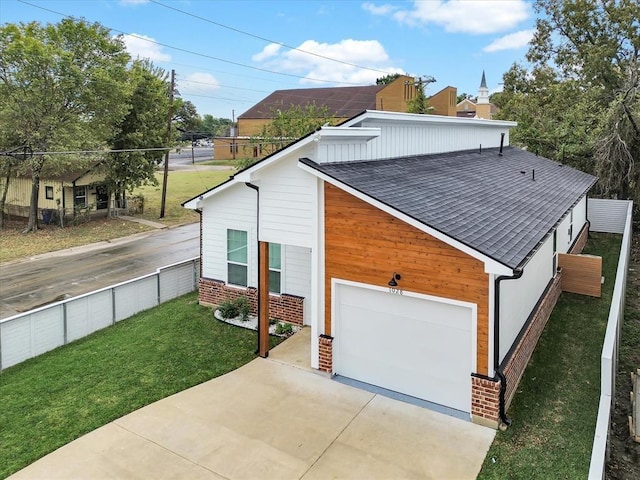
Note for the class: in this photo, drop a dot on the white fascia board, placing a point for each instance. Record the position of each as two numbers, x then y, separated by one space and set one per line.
358 134
425 118
249 174
490 265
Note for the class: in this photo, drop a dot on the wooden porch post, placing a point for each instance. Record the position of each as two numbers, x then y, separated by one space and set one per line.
263 299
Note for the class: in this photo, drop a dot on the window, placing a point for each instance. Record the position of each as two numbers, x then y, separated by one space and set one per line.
275 267
237 257
80 196
570 226
48 193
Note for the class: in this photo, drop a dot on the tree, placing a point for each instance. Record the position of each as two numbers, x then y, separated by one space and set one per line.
387 79
61 88
596 45
143 127
291 124
186 116
419 103
217 127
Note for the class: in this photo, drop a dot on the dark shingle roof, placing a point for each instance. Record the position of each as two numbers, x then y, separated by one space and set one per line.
343 102
486 201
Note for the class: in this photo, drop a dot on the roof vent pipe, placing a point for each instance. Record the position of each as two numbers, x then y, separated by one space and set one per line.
501 143
533 174
480 152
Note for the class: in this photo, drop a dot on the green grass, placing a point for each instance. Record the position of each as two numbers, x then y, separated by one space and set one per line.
181 186
555 408
55 398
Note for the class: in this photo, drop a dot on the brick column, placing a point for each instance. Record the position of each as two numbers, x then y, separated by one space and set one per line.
485 401
325 363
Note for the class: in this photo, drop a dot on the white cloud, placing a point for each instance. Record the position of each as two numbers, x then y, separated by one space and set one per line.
373 9
199 83
133 2
510 42
143 47
465 16
269 51
368 53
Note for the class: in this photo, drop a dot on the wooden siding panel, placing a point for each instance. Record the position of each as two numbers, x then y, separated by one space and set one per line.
364 244
581 274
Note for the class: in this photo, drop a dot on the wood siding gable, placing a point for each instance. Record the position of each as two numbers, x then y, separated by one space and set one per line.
364 244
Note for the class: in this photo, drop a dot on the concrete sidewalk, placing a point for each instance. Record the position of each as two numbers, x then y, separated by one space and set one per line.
273 419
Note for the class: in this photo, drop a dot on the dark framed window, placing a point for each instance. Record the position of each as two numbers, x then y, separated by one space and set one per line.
48 192
80 196
237 258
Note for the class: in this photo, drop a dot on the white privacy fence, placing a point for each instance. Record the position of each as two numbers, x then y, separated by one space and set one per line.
33 333
614 216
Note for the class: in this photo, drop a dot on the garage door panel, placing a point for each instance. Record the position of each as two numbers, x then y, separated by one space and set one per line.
411 345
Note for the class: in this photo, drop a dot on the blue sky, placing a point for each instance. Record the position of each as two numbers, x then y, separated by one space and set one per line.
228 55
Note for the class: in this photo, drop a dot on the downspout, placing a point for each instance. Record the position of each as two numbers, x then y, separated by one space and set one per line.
517 273
255 187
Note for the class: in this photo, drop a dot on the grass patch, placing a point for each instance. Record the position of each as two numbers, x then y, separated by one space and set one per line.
55 398
181 186
555 408
228 162
14 244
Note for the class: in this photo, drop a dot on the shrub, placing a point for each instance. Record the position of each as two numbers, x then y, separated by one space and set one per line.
238 307
228 309
244 307
284 329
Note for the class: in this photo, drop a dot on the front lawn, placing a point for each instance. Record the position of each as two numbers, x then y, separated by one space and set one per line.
555 408
55 398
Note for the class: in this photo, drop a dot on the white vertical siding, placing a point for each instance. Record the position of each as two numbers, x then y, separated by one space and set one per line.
414 139
234 208
297 276
580 214
286 204
519 297
563 240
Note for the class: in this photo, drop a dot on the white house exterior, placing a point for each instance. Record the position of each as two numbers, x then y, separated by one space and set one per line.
409 244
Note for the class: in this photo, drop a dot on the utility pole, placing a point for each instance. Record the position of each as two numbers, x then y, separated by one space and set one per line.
233 141
166 157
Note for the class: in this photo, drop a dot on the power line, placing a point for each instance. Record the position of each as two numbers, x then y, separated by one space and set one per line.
121 150
191 52
266 39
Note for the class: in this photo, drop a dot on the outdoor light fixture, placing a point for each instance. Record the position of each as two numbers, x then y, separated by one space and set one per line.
393 282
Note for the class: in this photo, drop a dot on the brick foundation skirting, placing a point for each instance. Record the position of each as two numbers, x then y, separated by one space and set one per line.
580 241
325 363
284 307
520 355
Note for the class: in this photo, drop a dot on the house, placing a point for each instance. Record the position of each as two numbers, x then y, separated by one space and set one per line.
420 249
481 108
75 190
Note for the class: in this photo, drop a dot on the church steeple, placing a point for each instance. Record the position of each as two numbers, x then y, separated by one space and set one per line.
483 91
483 106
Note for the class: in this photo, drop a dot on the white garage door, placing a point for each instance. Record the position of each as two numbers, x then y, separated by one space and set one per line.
412 345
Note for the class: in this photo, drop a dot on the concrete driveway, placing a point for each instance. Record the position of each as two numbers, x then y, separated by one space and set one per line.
274 419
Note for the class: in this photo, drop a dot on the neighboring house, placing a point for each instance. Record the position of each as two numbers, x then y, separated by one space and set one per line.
481 108
420 249
341 102
70 192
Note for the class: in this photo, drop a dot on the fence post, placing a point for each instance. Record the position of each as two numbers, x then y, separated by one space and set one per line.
64 323
158 273
113 306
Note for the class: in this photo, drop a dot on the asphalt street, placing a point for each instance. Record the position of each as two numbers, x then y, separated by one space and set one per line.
30 283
